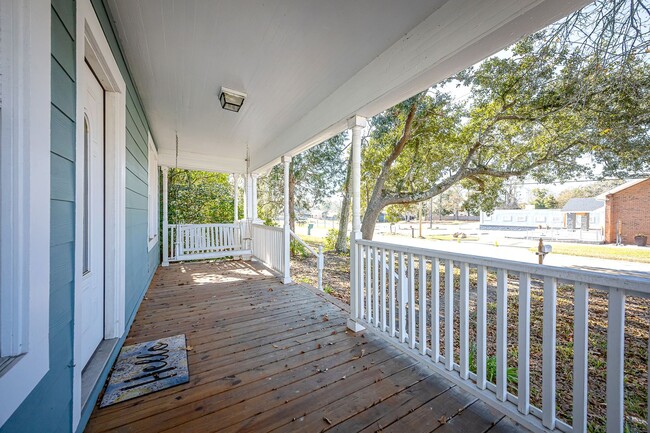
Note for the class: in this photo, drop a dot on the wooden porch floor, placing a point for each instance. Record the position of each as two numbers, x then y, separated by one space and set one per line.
271 357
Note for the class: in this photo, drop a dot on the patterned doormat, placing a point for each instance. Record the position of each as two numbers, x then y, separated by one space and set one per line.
148 367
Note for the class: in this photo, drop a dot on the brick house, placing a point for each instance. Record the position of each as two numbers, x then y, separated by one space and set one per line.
630 204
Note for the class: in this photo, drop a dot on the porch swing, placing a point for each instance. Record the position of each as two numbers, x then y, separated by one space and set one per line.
208 241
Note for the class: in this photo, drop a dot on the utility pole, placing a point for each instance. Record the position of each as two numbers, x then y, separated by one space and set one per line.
431 213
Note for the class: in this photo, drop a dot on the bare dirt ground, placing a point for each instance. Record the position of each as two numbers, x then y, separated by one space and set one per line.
336 282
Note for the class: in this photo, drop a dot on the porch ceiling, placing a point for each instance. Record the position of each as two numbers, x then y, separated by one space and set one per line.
306 65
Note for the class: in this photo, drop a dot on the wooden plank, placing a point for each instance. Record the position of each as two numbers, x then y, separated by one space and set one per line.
319 417
257 367
247 375
377 416
233 414
432 414
478 417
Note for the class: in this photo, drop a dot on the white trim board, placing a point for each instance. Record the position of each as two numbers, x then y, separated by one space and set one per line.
153 195
25 210
92 47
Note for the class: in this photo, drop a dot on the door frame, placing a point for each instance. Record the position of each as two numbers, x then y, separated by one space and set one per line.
92 46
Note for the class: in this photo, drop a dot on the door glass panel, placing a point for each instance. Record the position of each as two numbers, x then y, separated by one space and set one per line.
86 198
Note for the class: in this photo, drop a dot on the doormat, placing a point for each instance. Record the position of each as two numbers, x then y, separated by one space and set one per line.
148 367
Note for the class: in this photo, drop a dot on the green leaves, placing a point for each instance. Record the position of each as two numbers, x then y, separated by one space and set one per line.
546 108
197 197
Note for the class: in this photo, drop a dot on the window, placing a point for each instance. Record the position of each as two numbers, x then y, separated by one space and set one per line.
25 64
154 194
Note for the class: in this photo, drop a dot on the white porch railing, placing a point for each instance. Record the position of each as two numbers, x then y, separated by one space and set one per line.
268 245
399 293
320 257
207 241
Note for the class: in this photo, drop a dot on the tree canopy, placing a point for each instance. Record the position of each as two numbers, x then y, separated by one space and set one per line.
199 197
586 191
546 110
313 176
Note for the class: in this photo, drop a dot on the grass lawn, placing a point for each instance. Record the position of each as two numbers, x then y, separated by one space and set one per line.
312 240
631 254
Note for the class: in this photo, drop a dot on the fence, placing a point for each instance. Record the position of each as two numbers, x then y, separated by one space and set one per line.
413 296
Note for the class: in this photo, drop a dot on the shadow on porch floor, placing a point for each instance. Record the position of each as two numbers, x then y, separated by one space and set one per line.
271 357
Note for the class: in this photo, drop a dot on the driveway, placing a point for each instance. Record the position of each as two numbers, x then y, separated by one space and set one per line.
517 250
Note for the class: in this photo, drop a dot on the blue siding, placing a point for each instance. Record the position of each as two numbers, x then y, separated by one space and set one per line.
49 406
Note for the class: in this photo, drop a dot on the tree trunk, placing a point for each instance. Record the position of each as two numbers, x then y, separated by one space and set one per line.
341 240
370 218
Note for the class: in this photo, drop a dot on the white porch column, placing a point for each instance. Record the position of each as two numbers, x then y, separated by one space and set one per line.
356 123
254 177
165 228
286 160
235 182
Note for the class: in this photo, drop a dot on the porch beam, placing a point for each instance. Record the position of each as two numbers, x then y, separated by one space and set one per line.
286 161
356 123
165 229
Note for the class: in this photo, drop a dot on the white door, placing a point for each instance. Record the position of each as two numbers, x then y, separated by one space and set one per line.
92 284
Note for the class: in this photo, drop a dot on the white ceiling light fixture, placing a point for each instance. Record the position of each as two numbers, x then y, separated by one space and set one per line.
231 100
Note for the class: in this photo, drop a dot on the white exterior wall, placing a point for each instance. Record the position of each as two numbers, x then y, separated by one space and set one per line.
523 218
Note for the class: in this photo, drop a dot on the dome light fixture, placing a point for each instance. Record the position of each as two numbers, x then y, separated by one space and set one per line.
231 100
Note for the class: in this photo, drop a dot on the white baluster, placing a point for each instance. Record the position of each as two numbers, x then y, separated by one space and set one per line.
375 287
369 252
481 327
400 296
391 295
384 328
615 360
464 320
548 353
423 304
502 334
411 310
580 350
435 309
449 315
523 374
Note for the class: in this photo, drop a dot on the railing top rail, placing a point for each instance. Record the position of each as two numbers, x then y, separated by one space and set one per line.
206 225
270 228
311 250
592 278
